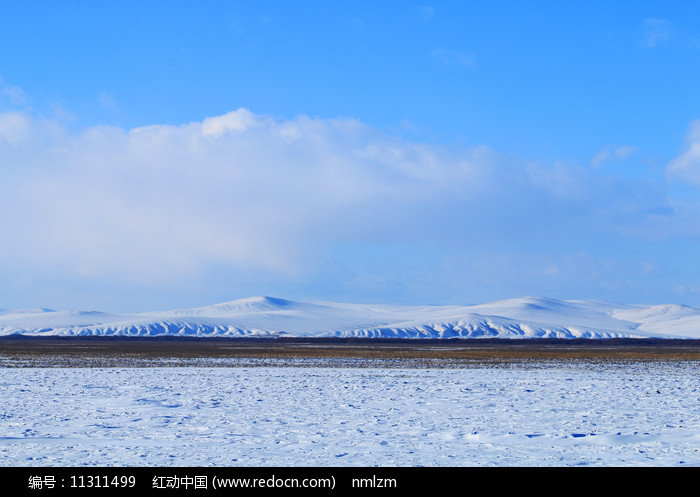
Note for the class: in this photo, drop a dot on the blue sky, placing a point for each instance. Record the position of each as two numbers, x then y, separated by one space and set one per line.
170 154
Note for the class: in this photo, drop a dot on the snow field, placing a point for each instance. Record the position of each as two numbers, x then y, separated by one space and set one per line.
527 317
612 415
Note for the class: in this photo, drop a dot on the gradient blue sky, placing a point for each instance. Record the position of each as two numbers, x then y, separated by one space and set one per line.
168 154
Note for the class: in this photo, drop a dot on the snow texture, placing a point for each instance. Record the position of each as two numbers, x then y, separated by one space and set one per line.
528 317
536 415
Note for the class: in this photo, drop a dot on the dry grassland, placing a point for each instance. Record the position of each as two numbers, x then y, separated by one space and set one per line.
175 351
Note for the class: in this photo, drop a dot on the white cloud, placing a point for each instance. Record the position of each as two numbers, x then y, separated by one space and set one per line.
236 121
657 31
612 152
13 94
686 166
14 127
240 189
453 57
107 101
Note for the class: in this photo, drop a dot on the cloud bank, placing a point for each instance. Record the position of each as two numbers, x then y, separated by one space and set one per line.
259 193
239 189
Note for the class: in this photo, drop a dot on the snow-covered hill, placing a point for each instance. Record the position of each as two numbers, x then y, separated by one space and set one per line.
528 317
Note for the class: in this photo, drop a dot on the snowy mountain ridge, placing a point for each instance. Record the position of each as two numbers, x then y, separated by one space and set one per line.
527 317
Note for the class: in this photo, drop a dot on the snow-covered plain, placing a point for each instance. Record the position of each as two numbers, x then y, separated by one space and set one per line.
528 317
568 414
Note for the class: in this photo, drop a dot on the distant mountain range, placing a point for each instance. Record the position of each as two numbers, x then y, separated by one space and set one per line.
529 317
